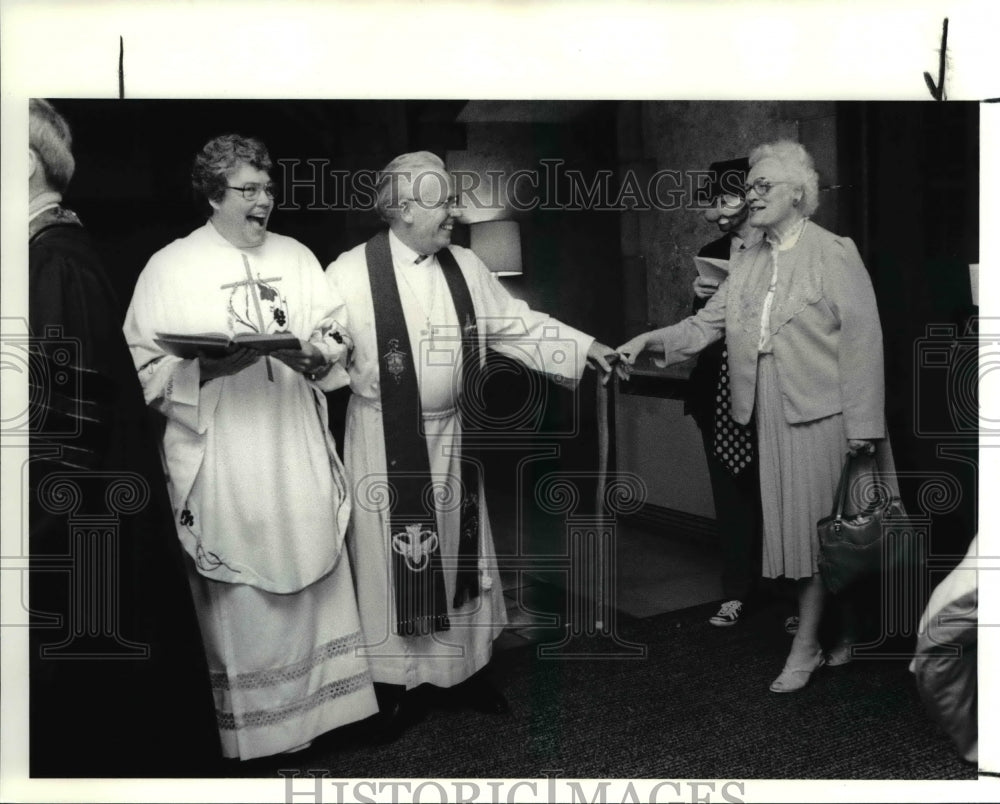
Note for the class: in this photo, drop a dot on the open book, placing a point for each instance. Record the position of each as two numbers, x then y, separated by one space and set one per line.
712 268
217 344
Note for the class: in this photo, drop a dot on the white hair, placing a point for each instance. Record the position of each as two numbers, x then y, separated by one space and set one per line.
50 138
397 179
799 164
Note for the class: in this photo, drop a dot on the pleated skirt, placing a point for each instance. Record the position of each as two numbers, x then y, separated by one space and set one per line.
800 465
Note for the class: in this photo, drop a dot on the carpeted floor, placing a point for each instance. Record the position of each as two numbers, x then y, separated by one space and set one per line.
696 706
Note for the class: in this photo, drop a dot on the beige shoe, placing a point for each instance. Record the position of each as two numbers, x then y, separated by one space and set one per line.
792 679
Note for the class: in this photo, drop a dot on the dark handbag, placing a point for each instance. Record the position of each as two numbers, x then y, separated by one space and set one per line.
853 546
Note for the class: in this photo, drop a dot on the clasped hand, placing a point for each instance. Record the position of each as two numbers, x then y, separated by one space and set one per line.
307 360
606 360
630 350
704 288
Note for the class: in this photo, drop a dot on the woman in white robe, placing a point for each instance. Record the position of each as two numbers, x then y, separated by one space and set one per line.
260 499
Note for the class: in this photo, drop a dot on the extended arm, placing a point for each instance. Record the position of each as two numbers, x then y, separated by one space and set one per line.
683 340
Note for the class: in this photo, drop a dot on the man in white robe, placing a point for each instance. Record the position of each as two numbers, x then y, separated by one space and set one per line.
416 198
260 500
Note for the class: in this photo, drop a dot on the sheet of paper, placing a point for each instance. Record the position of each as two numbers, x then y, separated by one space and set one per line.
712 268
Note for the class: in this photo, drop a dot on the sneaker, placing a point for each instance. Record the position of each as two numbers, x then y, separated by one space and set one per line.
792 625
728 613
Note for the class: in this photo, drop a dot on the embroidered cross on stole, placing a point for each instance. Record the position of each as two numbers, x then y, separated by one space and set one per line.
418 579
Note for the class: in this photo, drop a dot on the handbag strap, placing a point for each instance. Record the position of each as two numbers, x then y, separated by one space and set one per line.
840 498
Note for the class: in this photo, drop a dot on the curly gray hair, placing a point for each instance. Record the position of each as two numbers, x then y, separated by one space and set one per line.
799 164
220 157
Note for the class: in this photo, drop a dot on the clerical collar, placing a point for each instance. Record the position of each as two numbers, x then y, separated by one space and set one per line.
403 253
784 237
42 202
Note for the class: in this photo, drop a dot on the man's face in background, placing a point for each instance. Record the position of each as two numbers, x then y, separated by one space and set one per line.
728 212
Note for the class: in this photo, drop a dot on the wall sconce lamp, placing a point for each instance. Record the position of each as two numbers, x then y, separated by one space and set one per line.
498 244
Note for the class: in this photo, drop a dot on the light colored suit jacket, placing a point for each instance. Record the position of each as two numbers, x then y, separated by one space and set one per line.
824 326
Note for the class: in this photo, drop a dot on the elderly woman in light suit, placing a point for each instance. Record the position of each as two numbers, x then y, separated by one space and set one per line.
799 317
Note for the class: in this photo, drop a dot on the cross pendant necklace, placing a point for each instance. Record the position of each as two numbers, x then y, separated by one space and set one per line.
425 309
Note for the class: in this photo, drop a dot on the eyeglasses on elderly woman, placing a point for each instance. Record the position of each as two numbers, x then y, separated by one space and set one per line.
251 190
762 186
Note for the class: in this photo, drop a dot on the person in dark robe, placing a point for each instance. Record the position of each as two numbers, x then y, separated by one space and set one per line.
118 682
